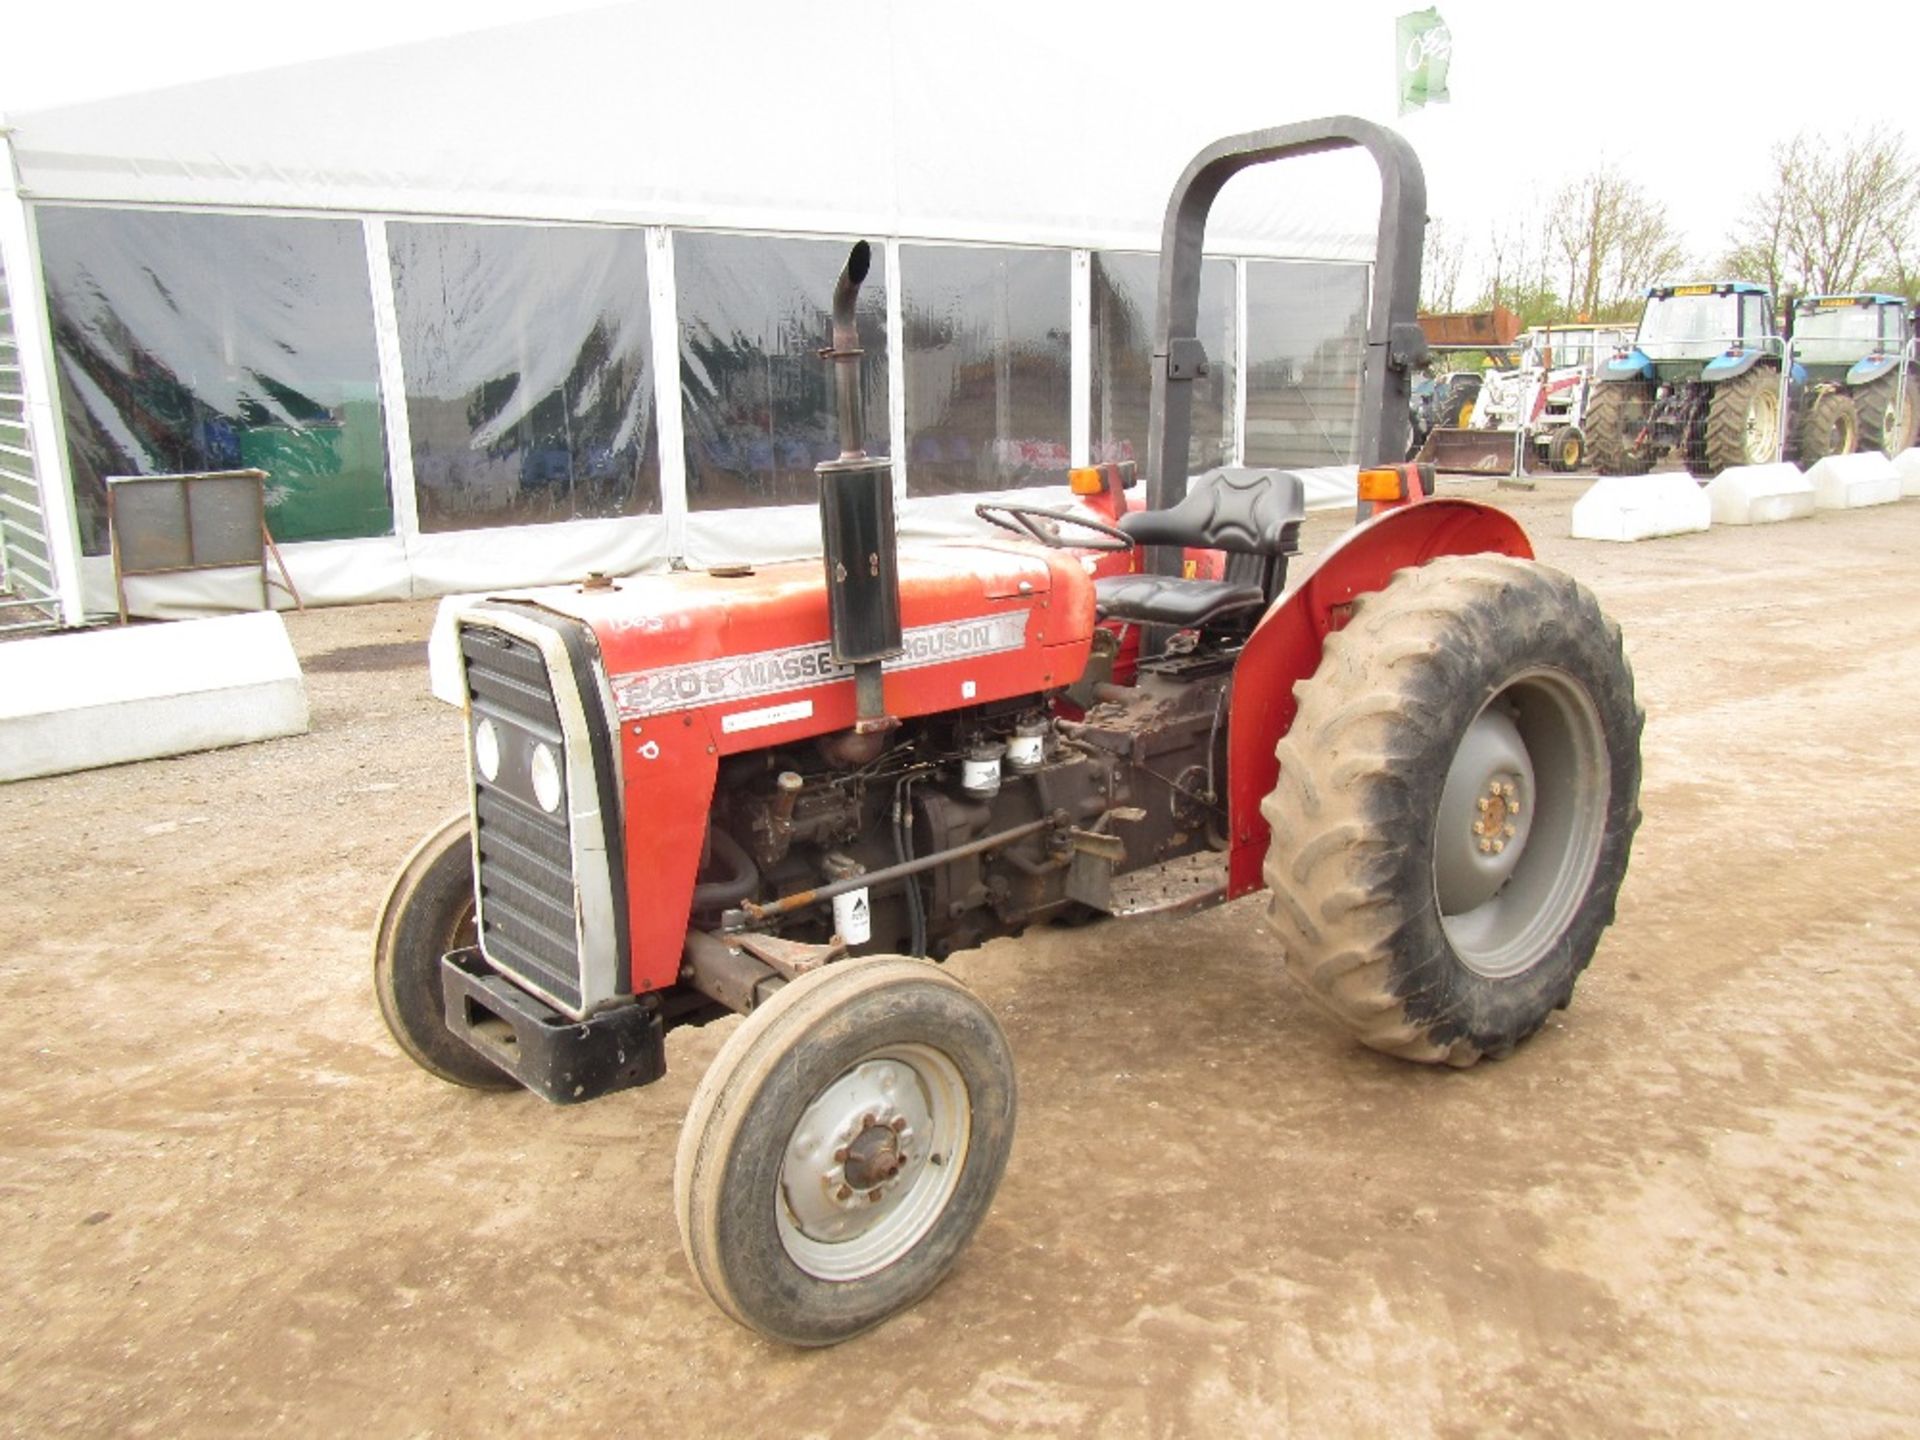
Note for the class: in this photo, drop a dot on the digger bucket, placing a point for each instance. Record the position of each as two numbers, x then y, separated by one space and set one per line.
1469 452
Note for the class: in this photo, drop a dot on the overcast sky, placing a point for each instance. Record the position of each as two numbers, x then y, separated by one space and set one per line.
1684 96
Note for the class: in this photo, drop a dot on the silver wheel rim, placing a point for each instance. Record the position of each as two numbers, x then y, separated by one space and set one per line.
873 1162
1520 822
1763 415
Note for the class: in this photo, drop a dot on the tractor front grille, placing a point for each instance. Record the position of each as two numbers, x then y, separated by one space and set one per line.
529 929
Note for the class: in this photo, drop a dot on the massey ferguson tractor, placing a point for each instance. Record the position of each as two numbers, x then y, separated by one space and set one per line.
788 791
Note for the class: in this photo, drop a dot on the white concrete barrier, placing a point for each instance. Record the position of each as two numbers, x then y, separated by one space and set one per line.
1907 466
1760 494
104 697
1848 482
1641 507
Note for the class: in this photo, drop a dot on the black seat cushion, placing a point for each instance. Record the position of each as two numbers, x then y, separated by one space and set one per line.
1169 600
1244 512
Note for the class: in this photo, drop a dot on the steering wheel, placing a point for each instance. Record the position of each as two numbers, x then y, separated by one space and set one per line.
1038 523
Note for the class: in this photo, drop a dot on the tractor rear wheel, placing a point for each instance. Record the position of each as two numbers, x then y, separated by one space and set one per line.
843 1148
1832 427
1615 418
1884 426
1743 421
1456 802
429 911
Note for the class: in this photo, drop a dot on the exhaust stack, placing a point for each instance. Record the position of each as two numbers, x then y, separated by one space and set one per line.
856 520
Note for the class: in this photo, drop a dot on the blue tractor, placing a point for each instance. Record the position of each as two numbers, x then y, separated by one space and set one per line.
1703 375
1858 355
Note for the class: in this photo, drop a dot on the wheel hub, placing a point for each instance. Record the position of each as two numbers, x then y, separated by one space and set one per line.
872 1162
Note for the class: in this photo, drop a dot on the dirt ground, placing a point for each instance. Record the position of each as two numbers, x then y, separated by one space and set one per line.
1691 1205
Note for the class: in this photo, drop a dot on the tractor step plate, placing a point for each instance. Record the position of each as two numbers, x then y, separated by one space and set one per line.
1187 882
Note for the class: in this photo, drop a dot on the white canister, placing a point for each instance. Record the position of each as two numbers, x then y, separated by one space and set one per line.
853 916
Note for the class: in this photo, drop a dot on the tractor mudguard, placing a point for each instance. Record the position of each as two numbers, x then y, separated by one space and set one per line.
1730 367
1632 366
1285 648
1869 369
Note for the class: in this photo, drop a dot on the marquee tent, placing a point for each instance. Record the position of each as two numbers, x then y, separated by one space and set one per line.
505 307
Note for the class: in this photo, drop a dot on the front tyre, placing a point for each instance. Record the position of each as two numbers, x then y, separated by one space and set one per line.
1616 427
843 1148
1886 423
429 911
1456 802
1743 421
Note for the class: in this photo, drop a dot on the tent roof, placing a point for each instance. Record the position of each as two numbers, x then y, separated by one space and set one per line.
1012 122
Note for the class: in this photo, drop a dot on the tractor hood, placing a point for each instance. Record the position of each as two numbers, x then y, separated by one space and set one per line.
983 621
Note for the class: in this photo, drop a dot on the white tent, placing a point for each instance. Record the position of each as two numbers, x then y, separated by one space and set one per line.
1001 124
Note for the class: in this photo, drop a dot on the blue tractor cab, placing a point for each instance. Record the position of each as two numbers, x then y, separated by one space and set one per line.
1861 346
1703 375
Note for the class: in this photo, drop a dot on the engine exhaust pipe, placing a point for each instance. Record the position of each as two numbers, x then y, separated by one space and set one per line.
845 351
856 520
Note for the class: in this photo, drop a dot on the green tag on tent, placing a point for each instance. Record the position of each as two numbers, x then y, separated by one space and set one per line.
1422 47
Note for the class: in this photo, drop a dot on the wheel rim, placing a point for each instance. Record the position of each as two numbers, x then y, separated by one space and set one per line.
873 1162
1521 818
1763 415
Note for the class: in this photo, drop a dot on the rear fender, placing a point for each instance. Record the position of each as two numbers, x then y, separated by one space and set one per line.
1285 648
1729 367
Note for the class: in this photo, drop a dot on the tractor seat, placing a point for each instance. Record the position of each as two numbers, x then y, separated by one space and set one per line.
1252 515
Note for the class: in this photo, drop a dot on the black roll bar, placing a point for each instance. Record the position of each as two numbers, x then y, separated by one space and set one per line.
1395 344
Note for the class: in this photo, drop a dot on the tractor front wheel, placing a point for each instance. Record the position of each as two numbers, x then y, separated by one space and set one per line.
843 1148
1743 422
1456 801
1832 427
429 911
1885 423
1566 448
1615 425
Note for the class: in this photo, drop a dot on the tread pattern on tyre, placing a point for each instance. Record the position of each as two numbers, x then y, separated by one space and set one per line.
1344 803
1725 444
1830 414
1874 400
1605 427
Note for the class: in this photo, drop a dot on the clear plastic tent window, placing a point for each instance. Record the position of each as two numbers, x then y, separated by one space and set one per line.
757 399
529 372
1124 298
988 366
193 342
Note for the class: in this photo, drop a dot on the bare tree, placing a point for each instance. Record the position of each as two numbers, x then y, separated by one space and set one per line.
1836 214
1610 238
1440 267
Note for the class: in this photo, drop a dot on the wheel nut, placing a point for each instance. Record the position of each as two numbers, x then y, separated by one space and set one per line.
845 1192
899 1123
1507 831
873 1196
840 1155
1486 846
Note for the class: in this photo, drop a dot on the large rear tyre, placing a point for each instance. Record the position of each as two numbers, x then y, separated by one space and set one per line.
1832 427
1615 425
843 1149
1456 802
429 911
1884 424
1743 421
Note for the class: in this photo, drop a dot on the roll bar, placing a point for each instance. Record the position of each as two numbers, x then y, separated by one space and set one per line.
1395 344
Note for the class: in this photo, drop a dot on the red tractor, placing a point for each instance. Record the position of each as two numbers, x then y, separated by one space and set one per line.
784 791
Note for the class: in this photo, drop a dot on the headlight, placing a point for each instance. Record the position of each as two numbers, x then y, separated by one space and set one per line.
546 777
486 749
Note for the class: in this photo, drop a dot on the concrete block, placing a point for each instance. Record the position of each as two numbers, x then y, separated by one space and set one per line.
1760 494
1907 466
1641 507
1847 482
104 697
